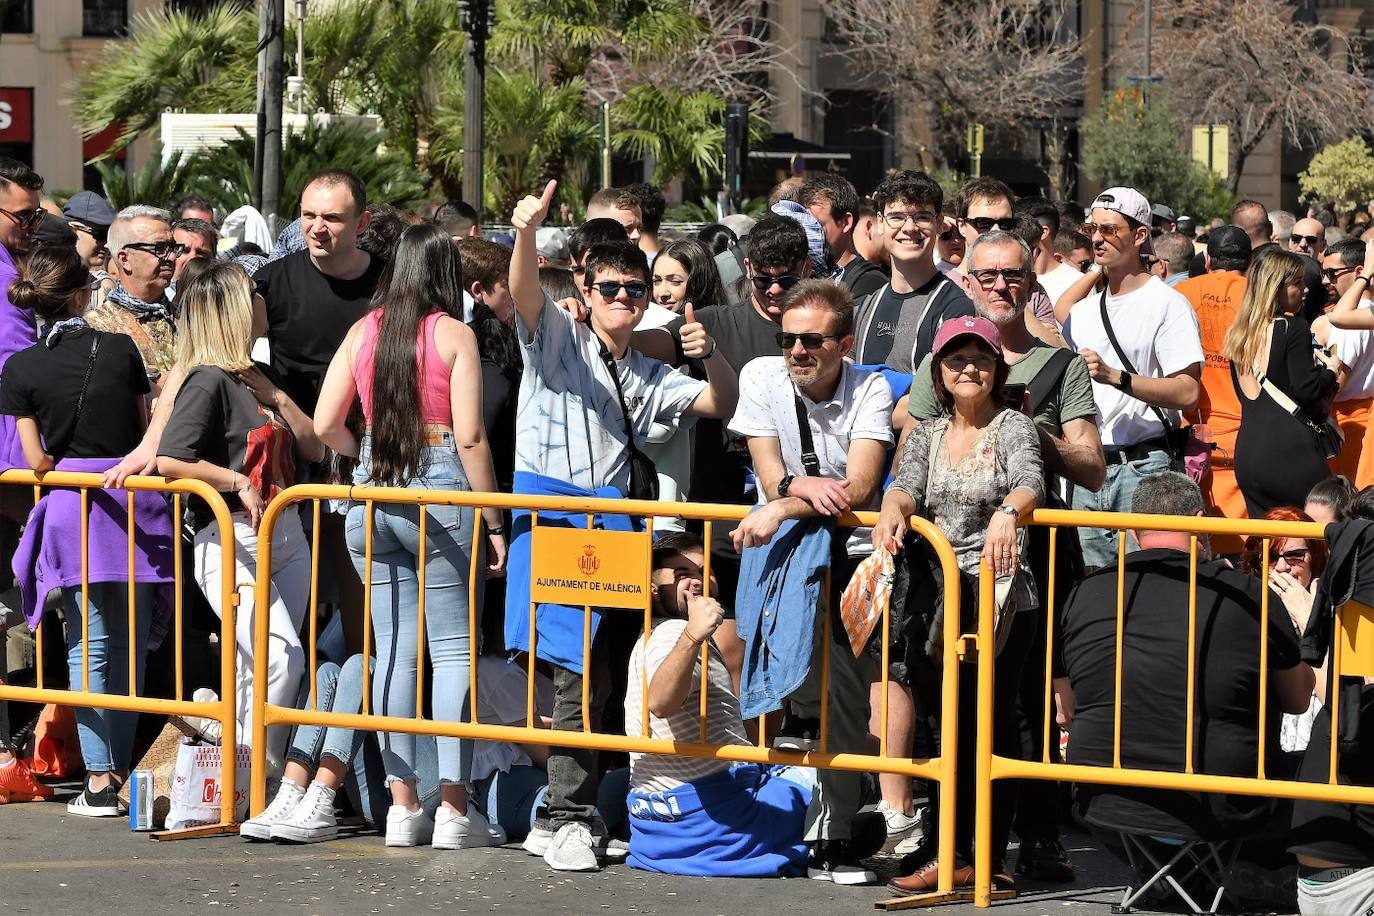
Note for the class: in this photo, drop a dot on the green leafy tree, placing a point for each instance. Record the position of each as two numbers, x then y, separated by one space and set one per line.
1128 142
224 174
1342 173
154 184
681 132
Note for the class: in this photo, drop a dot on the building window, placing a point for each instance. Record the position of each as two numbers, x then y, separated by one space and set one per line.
104 18
16 17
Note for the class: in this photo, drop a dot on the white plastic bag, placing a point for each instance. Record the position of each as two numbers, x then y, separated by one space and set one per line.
195 799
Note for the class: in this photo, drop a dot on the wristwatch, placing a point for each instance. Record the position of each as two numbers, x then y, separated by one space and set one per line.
786 484
1009 510
1125 383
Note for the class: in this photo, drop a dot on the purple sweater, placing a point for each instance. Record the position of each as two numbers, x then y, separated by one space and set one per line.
17 333
49 553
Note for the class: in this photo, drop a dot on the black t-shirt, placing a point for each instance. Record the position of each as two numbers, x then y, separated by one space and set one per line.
308 316
217 419
1337 833
46 384
1154 685
862 277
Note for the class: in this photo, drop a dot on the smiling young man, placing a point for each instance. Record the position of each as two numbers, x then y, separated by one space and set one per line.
897 324
1156 331
587 403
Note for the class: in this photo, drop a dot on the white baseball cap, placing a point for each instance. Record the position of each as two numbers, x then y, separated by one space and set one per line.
1129 203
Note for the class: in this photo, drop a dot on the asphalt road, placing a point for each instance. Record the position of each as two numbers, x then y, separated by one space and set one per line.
52 863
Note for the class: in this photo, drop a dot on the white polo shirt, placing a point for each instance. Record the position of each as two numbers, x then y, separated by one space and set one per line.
860 409
1158 330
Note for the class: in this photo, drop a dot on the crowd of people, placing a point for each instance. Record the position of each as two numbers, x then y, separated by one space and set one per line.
967 361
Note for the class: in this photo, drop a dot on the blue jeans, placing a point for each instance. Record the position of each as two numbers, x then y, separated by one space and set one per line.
1100 544
341 690
107 736
395 595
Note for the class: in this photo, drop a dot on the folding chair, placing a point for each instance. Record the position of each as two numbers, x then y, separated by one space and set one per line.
1194 862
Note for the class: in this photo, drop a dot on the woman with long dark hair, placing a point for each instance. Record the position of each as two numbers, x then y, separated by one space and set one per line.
416 368
686 271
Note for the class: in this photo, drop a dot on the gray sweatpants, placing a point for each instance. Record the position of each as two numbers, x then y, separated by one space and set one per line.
1352 895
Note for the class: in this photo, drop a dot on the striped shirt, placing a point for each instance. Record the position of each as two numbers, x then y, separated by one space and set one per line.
661 773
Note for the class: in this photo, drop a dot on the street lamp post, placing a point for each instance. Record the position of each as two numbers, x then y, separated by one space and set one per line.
267 142
477 24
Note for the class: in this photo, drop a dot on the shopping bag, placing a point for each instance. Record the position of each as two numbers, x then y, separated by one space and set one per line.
195 798
53 749
866 598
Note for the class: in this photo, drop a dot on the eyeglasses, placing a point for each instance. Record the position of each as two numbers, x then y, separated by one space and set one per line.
985 224
1311 240
898 218
1106 230
609 289
1292 557
1331 273
25 219
163 251
100 235
764 282
955 362
809 341
987 276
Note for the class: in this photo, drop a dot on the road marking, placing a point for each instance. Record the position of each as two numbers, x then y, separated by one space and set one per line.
340 851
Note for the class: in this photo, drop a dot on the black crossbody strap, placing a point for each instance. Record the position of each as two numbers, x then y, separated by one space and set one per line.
609 361
1125 362
810 461
85 384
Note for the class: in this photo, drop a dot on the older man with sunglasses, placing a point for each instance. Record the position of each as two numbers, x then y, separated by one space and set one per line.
143 256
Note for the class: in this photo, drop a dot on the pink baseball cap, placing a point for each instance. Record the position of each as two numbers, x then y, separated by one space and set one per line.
1129 203
967 326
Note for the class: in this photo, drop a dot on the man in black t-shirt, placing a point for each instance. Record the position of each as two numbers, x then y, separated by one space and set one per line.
1154 679
832 200
307 301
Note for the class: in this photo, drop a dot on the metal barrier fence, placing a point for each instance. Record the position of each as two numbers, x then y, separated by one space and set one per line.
635 551
221 710
992 767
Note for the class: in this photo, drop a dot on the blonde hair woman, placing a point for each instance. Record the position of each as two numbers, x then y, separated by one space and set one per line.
234 428
1276 370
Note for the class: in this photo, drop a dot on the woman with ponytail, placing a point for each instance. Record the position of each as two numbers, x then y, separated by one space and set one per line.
415 366
78 397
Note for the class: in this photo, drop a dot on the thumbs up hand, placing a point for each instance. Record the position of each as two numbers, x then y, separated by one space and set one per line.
531 211
696 343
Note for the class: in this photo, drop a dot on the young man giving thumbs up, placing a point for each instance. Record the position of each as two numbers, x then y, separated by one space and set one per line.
586 405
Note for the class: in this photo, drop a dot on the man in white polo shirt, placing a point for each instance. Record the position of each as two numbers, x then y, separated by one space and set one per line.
848 414
1141 341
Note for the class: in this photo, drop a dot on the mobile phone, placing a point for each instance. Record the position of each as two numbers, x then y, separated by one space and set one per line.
1014 394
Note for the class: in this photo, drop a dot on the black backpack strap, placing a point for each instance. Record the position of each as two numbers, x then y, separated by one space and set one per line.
1049 378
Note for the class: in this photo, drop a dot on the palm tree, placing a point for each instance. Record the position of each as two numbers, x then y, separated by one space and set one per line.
155 183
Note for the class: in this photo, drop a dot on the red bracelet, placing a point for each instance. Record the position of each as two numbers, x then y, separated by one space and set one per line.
695 642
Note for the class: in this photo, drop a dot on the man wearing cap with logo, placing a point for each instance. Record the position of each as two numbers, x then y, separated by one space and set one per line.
1141 341
90 215
1215 297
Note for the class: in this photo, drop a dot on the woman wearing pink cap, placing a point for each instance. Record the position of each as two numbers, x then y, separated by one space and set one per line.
975 473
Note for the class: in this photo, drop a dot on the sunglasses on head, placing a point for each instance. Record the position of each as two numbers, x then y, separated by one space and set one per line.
809 341
163 251
985 224
609 289
1311 240
764 282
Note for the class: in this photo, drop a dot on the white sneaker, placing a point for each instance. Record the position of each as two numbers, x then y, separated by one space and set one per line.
537 841
613 849
313 820
288 797
465 831
572 849
898 822
408 828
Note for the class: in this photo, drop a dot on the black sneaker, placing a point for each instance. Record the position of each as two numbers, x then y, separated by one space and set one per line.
104 803
1044 860
798 733
835 861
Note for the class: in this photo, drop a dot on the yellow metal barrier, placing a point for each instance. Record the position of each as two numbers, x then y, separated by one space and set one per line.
221 710
992 767
940 769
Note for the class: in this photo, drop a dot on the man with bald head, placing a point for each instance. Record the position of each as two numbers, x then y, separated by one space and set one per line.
1251 217
1309 238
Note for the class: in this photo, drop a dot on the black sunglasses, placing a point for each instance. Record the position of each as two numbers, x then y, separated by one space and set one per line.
163 251
809 341
763 282
987 276
1311 240
100 235
609 289
949 236
1331 273
985 224
26 219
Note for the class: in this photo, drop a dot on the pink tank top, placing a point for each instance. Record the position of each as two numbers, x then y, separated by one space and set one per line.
433 374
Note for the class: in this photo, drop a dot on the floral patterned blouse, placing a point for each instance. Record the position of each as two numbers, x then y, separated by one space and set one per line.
961 499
